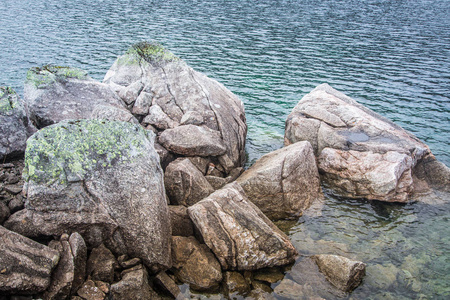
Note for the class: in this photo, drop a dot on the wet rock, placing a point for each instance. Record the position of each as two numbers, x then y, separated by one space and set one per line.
235 283
185 184
89 291
283 183
55 93
101 264
343 273
14 134
191 140
360 153
195 264
260 294
289 289
183 96
258 285
272 275
25 265
238 233
181 223
134 285
113 193
163 280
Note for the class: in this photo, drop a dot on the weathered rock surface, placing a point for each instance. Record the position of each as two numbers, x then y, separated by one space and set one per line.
63 275
235 283
14 134
360 153
238 233
283 183
25 265
113 193
79 253
164 281
165 92
101 264
90 291
55 93
112 113
343 273
134 285
194 264
185 184
180 221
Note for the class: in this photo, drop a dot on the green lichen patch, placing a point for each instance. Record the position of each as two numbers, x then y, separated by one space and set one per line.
71 150
151 52
48 74
8 100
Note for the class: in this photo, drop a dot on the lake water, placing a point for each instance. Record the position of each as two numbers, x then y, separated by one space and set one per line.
392 56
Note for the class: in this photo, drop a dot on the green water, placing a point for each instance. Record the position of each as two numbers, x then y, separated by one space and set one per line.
392 56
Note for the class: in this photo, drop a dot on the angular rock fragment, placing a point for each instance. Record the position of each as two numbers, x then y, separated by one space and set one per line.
195 264
163 280
343 273
134 285
283 183
101 264
25 265
238 233
14 134
101 179
184 183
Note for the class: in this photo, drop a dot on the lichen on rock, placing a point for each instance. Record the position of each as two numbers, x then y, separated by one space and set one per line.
45 75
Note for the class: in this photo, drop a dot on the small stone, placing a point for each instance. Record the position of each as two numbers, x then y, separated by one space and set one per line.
13 189
103 286
15 204
64 237
130 263
89 291
134 285
271 275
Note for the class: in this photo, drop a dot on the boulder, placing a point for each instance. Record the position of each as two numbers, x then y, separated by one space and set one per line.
283 183
360 153
134 285
25 265
180 221
164 90
238 233
101 179
194 264
55 93
185 184
14 134
343 273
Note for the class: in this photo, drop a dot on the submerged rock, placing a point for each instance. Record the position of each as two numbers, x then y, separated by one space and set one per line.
283 183
101 179
165 92
343 273
14 134
55 93
25 265
360 153
238 233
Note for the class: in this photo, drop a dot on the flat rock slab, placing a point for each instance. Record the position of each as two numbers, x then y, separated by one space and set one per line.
13 136
360 153
55 93
238 233
99 178
25 265
283 183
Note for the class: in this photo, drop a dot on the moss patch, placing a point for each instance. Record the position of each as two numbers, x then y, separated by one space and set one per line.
73 149
48 74
8 100
151 52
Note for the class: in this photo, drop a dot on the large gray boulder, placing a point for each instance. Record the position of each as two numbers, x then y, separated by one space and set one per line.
283 183
55 93
25 265
238 233
360 153
13 136
163 91
101 179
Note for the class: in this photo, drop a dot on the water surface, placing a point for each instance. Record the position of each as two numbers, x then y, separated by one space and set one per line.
392 56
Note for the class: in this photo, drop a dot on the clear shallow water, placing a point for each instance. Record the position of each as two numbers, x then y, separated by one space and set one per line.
392 56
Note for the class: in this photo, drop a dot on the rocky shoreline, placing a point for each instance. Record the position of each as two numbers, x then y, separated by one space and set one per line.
131 187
